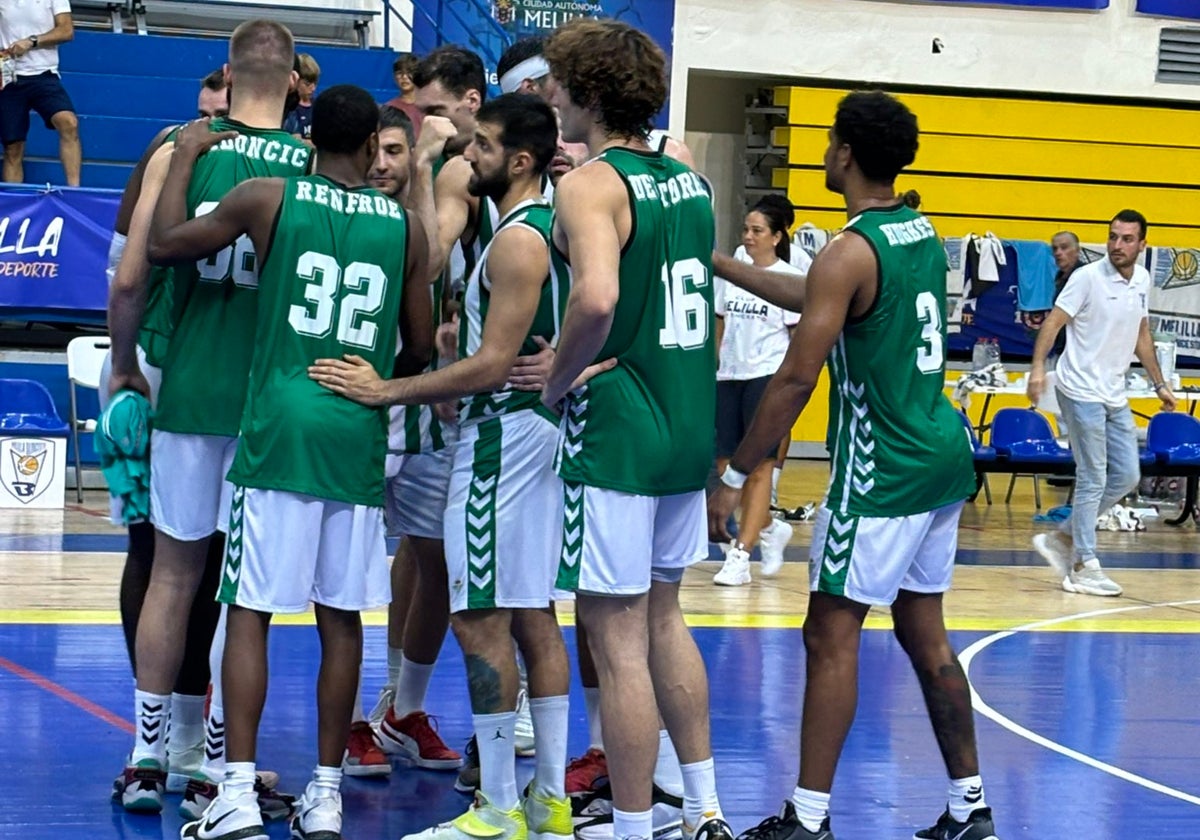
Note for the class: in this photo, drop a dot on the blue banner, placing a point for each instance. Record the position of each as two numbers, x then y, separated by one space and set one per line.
1091 5
1188 9
487 26
54 251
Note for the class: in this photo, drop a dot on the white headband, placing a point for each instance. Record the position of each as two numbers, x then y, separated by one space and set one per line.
533 67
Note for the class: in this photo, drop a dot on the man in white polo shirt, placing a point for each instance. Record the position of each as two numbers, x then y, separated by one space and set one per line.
1104 307
30 32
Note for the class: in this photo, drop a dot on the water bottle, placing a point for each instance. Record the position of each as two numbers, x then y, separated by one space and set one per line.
979 355
1164 351
993 351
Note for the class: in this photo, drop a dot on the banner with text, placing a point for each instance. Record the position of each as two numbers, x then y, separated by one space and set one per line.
54 251
487 26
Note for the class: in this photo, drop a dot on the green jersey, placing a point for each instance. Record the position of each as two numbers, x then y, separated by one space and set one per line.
214 300
646 427
415 429
330 285
895 444
158 320
538 217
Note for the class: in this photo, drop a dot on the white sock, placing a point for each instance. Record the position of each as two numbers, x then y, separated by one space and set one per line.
357 713
497 758
812 807
151 712
667 774
775 473
214 743
411 687
239 779
216 656
591 699
550 724
965 796
395 661
700 802
632 825
187 722
326 781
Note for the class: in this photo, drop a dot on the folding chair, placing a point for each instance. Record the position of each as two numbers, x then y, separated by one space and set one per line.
1023 436
85 358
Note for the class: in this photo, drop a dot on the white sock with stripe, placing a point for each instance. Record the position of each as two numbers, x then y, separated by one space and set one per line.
152 712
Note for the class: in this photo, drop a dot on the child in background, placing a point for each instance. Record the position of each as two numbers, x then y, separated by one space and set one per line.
299 121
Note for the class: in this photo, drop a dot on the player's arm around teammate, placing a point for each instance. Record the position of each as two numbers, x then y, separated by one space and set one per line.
127 294
589 204
841 284
775 287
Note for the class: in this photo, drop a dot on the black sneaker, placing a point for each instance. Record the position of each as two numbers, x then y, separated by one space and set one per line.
786 827
711 829
468 777
978 826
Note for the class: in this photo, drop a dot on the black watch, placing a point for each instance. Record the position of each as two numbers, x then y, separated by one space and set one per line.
33 39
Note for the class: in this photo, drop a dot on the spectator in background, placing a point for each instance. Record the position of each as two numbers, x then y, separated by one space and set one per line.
404 68
752 336
30 33
1065 248
299 122
214 95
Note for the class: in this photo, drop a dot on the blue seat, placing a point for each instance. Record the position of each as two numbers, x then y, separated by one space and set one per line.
1023 436
27 410
1174 438
983 455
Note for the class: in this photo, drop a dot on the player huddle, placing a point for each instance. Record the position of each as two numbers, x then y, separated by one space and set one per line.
468 342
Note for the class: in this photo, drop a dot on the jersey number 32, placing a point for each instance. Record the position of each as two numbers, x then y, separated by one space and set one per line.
327 303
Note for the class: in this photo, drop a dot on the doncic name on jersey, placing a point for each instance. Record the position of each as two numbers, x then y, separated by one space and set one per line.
262 148
347 202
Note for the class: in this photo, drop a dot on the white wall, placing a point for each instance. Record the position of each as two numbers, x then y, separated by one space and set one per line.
401 38
1109 53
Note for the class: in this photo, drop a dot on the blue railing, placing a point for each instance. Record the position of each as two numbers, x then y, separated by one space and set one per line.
437 23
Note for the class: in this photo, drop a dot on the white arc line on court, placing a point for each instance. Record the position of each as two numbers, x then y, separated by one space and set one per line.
987 711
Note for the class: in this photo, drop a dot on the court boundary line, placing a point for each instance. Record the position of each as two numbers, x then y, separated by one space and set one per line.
981 706
64 693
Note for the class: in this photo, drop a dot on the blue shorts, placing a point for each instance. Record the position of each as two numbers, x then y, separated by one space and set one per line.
43 93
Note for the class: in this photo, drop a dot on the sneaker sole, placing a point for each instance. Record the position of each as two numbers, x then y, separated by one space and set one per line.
367 771
465 790
143 805
1076 589
525 752
738 582
770 569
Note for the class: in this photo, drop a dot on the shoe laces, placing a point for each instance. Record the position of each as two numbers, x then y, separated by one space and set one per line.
781 823
425 731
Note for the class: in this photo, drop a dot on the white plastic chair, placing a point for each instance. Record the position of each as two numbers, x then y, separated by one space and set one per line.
85 357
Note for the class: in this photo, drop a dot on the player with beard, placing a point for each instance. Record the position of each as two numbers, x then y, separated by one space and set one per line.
502 535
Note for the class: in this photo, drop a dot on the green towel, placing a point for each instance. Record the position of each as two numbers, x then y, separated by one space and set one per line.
123 443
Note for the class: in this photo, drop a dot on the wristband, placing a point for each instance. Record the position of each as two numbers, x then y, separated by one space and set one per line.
733 478
1158 386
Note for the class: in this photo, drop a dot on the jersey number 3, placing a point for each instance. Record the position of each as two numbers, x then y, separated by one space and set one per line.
353 311
930 355
686 312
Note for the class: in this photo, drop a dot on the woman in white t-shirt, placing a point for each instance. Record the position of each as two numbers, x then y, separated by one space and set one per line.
753 338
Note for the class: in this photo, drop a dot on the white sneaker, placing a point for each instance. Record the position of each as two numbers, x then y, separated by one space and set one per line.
237 817
318 817
387 696
736 569
772 542
482 821
182 765
523 740
1057 549
1091 580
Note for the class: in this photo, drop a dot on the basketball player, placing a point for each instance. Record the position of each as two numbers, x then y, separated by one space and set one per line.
205 372
502 538
418 473
185 742
887 531
636 228
341 264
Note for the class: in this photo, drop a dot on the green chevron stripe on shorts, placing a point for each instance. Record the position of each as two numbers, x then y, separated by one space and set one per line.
231 572
836 553
572 549
480 517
